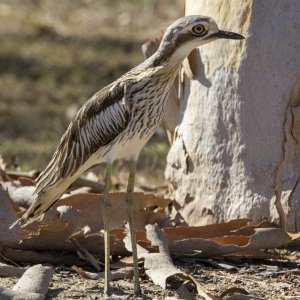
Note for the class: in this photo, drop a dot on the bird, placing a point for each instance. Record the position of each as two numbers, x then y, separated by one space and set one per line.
116 123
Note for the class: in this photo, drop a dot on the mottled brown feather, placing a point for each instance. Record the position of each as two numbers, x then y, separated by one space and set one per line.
64 162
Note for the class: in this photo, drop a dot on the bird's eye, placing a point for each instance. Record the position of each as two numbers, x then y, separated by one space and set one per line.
199 29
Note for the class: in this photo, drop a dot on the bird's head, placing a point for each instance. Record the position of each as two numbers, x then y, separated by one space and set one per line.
189 32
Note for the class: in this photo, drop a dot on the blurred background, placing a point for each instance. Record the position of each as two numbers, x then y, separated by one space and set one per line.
54 55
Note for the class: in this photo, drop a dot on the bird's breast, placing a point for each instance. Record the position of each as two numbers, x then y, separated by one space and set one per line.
147 107
147 110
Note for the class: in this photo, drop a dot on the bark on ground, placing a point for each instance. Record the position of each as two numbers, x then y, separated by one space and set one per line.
266 279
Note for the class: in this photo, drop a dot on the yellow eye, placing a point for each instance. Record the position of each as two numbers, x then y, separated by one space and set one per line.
199 29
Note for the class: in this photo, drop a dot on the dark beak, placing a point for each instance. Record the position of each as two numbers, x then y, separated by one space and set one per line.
227 35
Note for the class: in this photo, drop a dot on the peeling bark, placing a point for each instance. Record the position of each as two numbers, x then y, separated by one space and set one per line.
240 118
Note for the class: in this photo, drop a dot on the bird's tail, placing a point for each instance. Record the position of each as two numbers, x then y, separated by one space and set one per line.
42 201
50 186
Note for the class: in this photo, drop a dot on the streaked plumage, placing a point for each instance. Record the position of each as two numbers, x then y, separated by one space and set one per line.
115 123
119 120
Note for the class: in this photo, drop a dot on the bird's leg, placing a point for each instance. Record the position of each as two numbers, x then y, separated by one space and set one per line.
106 217
129 208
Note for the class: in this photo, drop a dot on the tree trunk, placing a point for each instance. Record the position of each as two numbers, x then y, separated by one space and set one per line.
236 151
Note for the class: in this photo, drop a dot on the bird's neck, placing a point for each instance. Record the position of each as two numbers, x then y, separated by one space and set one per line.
168 56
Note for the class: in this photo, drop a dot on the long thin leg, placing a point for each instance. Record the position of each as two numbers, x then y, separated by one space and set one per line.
106 219
129 208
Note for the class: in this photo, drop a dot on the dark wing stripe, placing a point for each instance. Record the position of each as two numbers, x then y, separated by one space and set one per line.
93 131
96 125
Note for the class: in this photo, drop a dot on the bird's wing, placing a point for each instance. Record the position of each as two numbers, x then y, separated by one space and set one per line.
96 124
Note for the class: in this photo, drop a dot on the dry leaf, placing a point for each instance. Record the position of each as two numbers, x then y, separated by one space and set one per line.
88 207
71 214
208 231
225 238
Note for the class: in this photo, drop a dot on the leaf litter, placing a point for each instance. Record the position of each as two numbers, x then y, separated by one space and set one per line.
73 227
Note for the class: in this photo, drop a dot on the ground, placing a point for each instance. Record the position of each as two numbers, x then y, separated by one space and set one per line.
266 279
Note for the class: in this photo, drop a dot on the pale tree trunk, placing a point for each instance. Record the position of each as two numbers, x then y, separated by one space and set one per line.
236 150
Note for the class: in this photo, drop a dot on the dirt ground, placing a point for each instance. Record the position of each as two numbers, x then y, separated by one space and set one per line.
277 278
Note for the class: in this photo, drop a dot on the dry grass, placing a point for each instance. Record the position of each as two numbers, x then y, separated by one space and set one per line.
55 54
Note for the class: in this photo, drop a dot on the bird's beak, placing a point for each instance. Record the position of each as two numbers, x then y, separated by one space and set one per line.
227 35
